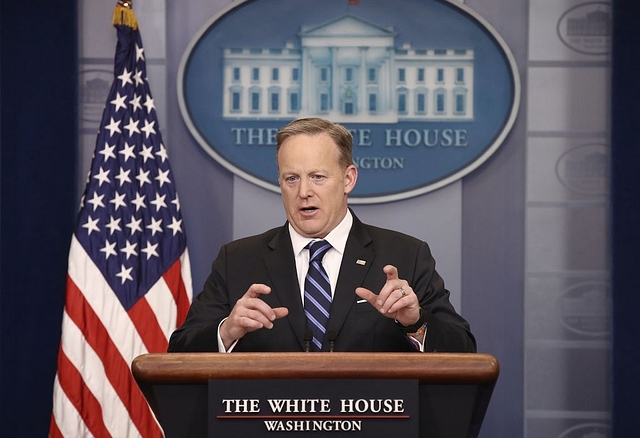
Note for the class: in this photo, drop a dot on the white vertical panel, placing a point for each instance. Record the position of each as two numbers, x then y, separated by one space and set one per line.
567 291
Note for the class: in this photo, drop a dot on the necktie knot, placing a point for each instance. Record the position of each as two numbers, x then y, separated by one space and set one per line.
318 249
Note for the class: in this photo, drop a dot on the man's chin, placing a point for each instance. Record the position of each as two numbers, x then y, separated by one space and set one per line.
309 228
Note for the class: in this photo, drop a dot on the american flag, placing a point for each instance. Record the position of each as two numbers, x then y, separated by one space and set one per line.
129 281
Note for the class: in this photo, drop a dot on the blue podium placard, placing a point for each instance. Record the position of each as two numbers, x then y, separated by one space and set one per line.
313 407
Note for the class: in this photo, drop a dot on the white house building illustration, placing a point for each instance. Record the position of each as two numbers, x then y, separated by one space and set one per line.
348 70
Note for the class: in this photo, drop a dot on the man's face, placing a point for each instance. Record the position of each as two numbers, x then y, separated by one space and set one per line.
313 184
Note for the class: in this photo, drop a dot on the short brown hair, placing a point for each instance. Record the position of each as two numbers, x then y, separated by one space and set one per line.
315 126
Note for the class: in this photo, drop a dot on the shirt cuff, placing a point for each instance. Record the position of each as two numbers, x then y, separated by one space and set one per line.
413 337
221 348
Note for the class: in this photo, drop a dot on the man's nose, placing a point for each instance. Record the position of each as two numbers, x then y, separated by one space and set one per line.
306 189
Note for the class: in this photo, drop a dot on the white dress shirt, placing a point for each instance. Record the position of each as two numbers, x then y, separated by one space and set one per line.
332 258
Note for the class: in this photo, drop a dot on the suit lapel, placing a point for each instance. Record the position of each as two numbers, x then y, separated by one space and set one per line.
280 264
356 262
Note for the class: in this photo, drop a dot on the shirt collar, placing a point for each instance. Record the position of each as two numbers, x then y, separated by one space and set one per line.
337 237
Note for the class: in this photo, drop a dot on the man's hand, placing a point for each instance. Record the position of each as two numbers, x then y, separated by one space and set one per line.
395 300
249 314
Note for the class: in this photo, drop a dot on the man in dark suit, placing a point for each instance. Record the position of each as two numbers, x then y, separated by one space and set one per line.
382 290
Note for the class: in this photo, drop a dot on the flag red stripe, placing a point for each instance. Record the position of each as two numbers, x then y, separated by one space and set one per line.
54 432
173 278
80 395
116 368
147 326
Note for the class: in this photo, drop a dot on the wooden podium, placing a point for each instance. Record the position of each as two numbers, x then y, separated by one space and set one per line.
454 388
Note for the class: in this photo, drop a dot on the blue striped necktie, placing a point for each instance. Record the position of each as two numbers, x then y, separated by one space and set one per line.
317 293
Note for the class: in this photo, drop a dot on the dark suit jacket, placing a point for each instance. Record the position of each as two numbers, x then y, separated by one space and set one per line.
268 258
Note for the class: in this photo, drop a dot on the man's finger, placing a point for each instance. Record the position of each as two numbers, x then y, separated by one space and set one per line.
257 289
254 319
391 271
274 314
366 294
281 312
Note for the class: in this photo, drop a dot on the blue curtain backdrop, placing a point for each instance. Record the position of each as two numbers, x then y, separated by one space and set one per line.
625 201
38 41
38 201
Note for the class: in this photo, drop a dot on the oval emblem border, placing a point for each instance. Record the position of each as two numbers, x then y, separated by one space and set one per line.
472 165
605 50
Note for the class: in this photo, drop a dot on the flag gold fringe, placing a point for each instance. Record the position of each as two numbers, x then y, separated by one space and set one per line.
124 16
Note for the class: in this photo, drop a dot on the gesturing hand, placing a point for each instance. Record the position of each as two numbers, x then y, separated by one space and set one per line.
395 300
249 314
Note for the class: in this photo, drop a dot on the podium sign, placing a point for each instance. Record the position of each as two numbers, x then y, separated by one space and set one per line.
313 407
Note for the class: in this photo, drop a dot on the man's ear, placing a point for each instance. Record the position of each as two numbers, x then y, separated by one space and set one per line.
350 178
